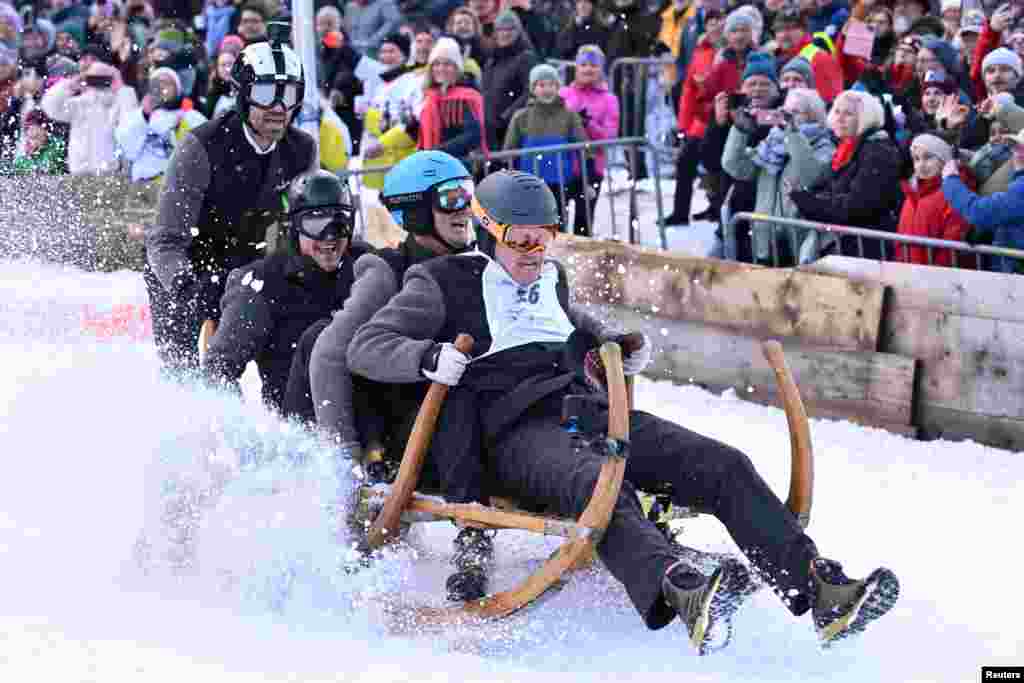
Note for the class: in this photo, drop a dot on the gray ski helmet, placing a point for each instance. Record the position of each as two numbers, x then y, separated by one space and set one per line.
509 198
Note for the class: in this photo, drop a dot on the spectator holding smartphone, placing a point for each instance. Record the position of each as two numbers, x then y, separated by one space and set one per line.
91 105
796 153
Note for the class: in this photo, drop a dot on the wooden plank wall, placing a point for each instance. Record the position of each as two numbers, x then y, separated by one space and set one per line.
754 301
967 330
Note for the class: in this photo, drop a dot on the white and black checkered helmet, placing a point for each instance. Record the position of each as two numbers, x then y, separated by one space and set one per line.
266 74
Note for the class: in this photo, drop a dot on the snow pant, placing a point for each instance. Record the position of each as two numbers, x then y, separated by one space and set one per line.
536 462
298 396
686 173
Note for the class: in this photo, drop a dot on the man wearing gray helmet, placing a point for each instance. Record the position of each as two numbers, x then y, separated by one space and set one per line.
500 433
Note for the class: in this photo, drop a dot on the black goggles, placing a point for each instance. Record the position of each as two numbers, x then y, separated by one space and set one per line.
266 95
331 223
453 195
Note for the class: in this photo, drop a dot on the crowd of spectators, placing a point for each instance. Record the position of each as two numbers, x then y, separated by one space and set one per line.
824 110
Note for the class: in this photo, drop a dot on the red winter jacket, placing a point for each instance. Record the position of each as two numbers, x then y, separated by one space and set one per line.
694 111
828 77
926 213
726 76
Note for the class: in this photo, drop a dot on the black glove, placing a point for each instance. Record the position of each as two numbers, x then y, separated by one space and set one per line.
584 116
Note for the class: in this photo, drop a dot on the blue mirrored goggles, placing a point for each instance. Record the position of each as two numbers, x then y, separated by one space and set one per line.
453 195
591 58
329 223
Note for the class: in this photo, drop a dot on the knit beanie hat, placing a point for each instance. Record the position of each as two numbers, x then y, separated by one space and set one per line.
10 15
973 22
933 145
589 52
944 52
508 19
761 64
948 5
231 43
737 19
399 40
446 48
75 29
544 72
802 67
168 71
940 80
1004 56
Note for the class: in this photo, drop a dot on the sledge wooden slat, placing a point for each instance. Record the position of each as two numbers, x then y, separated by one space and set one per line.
874 389
492 517
386 526
760 302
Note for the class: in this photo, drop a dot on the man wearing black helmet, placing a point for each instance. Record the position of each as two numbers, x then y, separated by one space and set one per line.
506 401
223 189
270 306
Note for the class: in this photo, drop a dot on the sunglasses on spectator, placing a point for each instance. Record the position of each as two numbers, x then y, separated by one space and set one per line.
452 196
267 95
321 224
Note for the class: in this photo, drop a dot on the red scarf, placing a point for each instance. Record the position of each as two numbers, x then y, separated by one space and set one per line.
444 111
844 152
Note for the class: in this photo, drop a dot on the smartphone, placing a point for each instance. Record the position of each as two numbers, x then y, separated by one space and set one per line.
738 100
99 82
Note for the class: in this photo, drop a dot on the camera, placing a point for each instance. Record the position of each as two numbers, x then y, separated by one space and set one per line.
738 101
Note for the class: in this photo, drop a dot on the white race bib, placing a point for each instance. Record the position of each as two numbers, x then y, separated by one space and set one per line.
523 314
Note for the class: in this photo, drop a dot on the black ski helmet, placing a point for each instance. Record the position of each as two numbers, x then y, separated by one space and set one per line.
271 64
320 193
508 198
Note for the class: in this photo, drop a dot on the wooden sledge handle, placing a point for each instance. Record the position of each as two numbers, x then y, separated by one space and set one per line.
385 526
206 332
801 474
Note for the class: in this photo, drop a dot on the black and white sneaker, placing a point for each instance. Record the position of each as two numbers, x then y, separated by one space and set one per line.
843 606
706 602
474 554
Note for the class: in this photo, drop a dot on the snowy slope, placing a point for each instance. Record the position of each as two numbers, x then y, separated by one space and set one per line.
150 532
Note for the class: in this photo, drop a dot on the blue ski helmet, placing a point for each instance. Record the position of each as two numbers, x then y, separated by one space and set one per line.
409 188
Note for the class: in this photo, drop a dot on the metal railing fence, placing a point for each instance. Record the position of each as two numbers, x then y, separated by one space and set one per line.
583 151
888 241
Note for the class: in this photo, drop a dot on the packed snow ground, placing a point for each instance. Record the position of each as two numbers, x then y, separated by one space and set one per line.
112 478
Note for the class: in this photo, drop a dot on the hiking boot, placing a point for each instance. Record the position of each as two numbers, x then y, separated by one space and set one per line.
843 607
705 602
474 554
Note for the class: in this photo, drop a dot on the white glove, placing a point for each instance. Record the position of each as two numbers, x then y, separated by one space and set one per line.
637 361
445 364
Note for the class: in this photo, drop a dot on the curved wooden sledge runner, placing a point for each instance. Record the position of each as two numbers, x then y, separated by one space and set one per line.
801 472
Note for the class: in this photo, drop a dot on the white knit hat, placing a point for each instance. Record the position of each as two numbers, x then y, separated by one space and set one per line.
934 145
167 71
950 4
1005 56
446 48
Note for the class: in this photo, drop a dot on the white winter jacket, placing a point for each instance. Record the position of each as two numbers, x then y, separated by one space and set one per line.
93 115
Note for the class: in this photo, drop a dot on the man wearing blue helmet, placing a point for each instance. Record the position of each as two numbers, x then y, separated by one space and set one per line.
429 195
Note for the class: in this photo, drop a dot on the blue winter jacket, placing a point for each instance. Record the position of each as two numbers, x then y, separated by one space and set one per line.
1002 213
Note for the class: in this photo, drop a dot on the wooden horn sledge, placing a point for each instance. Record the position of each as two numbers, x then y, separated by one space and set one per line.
801 473
584 535
206 332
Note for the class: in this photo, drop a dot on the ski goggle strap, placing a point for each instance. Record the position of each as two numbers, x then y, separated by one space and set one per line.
453 195
526 239
328 223
266 94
